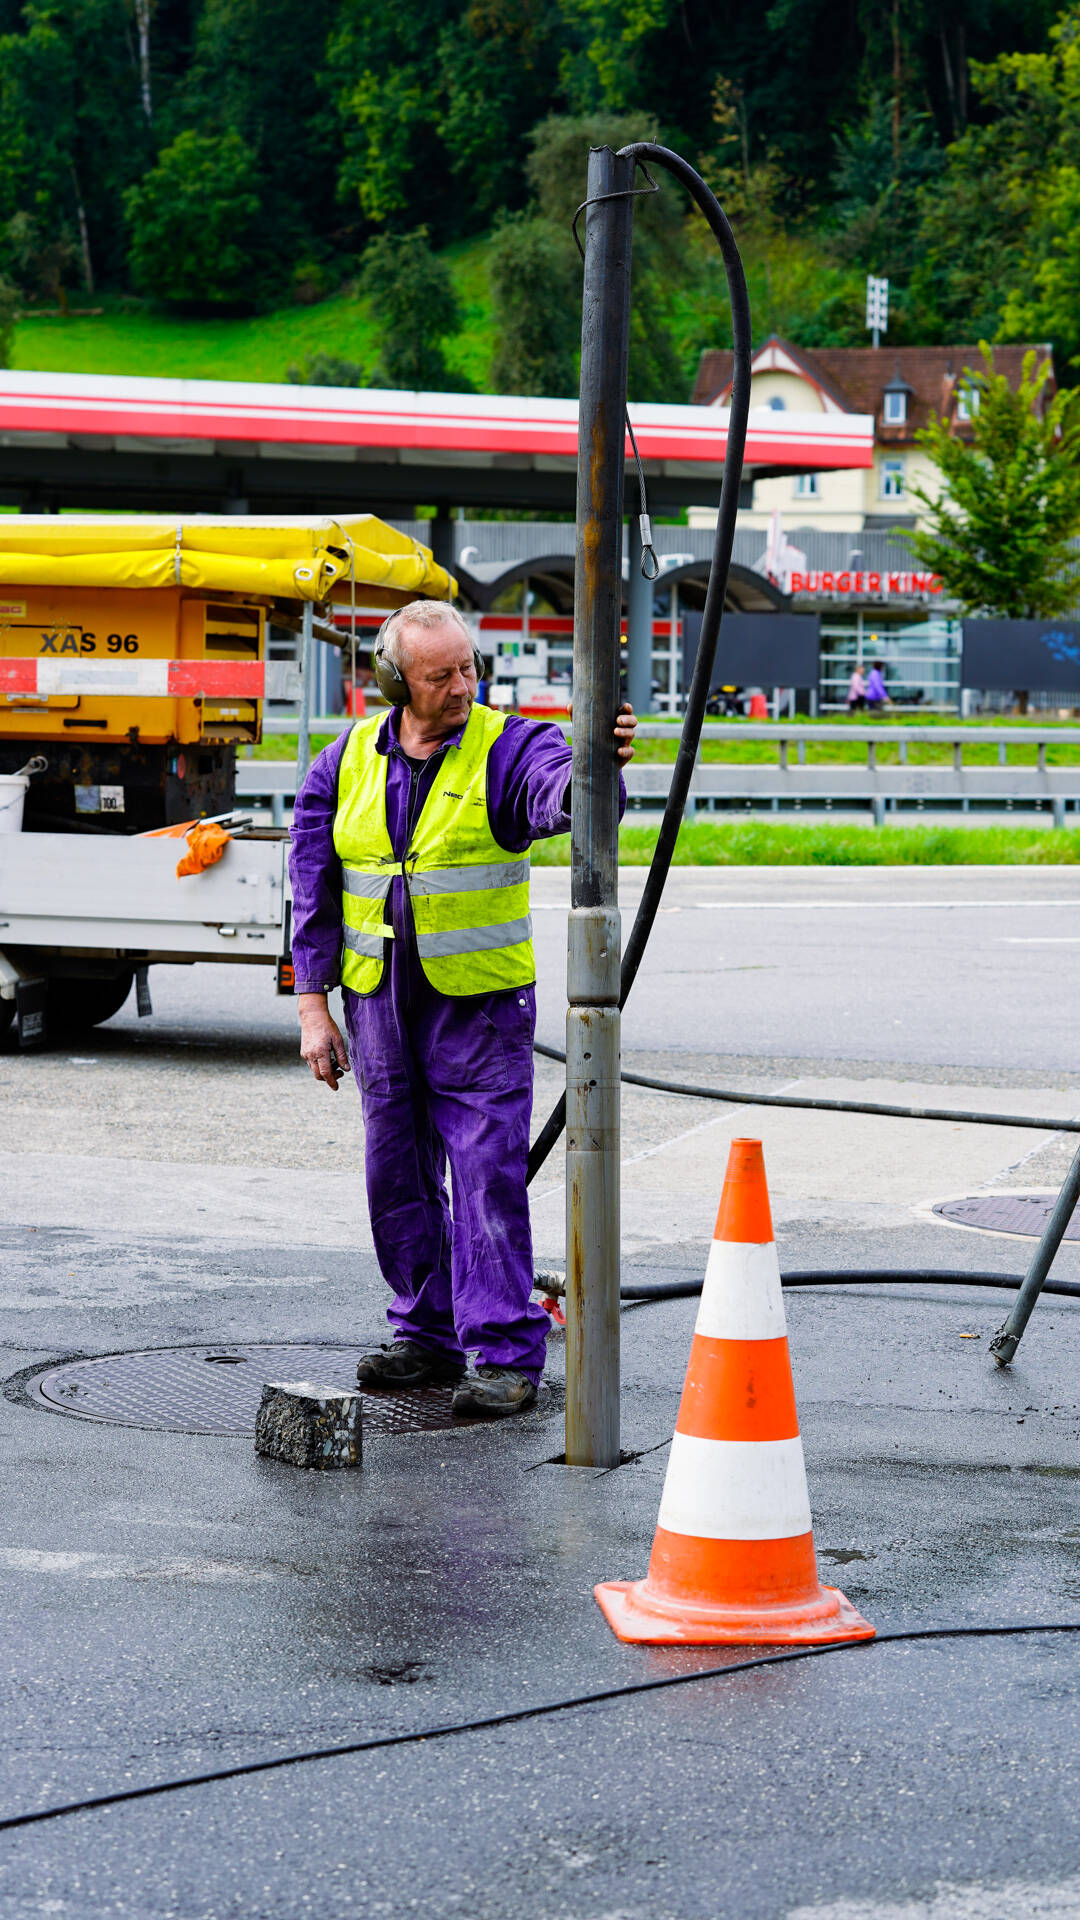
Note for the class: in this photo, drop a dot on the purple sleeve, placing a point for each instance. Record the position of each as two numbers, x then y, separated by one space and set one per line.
529 783
315 872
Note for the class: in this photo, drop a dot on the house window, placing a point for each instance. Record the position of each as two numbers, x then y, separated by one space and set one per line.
806 486
892 479
895 408
967 402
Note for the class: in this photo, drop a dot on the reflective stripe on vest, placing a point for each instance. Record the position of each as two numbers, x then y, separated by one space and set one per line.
469 895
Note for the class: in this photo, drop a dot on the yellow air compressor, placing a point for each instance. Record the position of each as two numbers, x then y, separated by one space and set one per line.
133 651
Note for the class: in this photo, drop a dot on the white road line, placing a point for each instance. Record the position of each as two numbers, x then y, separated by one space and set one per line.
1038 940
649 1153
861 906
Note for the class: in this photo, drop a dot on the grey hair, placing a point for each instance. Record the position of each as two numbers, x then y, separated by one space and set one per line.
419 613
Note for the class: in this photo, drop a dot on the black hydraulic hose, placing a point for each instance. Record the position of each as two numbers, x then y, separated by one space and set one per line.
854 1277
646 153
893 1637
968 1116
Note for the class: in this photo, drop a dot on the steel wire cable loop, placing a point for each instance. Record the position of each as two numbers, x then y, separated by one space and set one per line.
643 152
890 1636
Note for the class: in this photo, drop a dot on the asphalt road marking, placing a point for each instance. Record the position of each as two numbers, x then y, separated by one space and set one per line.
862 906
649 1153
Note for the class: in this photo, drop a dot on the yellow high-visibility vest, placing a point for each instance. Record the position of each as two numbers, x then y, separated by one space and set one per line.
469 895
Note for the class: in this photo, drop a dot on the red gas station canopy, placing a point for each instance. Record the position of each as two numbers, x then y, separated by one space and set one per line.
436 428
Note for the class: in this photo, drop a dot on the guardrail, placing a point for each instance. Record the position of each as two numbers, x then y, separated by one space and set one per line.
784 735
791 781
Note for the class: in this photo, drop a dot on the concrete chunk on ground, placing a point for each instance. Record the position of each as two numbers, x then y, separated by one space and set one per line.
309 1426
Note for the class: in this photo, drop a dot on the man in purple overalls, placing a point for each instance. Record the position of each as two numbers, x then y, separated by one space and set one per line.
445 1070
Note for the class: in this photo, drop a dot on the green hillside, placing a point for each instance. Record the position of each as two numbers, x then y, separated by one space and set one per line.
129 337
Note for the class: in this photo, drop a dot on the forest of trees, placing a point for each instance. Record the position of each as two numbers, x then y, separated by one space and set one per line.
222 155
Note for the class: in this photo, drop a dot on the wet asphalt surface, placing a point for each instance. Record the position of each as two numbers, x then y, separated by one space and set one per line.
172 1604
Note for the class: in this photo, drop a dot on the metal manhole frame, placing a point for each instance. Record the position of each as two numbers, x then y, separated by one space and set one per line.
378 1414
1043 1198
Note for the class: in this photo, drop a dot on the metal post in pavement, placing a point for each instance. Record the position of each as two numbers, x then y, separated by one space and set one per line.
307 675
1004 1344
594 950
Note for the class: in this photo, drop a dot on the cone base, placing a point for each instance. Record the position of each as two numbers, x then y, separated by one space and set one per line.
635 1616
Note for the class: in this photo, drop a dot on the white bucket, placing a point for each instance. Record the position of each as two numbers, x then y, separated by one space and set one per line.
12 795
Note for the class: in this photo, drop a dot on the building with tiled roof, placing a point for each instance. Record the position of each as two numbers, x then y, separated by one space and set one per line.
899 386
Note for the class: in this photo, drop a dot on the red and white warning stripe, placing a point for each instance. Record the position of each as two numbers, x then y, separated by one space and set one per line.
146 679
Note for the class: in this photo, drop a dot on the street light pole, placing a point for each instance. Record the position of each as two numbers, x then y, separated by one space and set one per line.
594 948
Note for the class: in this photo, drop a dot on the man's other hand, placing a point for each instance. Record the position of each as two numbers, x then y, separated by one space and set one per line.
625 728
321 1044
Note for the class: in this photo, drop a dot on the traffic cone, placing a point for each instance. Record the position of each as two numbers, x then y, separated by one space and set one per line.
733 1558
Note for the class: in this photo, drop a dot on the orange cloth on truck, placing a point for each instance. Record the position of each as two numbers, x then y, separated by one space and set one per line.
206 844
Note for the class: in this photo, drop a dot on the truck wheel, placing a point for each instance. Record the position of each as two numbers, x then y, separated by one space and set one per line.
76 1004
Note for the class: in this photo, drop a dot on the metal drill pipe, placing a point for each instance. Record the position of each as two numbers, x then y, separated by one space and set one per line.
698 692
1004 1344
592 1019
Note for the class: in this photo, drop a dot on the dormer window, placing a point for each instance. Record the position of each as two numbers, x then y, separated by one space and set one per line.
894 410
967 402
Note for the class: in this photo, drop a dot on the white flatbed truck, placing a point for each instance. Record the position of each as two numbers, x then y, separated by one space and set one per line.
86 909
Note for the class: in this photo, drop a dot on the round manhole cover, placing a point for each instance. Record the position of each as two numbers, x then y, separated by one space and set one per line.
1025 1213
217 1389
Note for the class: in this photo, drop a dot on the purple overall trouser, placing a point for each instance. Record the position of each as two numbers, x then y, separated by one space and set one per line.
443 1080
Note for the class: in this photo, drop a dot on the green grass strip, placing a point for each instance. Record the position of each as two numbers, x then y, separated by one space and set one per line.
765 843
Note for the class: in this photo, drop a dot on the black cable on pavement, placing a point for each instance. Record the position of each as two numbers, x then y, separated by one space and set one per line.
969 1117
860 1277
516 1714
554 1283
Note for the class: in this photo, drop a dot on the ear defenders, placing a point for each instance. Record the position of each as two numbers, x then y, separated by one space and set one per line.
389 678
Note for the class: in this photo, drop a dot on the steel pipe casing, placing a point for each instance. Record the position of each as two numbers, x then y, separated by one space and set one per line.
593 1232
594 957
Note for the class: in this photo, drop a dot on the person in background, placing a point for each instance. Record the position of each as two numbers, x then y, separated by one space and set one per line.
856 693
877 694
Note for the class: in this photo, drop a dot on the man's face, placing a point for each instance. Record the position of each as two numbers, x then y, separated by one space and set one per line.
441 675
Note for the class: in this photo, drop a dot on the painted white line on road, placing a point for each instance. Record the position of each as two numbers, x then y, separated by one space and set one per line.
649 1153
1038 940
861 906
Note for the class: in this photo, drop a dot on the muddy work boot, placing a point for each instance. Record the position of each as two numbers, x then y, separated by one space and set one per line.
495 1391
404 1364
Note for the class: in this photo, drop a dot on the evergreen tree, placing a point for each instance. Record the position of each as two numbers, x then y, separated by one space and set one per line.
194 224
556 171
882 163
72 138
536 309
416 309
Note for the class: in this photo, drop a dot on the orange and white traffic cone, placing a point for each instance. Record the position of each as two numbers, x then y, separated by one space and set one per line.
733 1558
